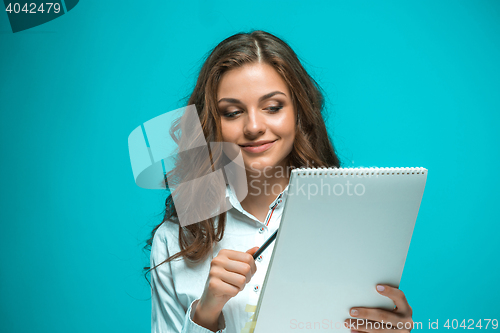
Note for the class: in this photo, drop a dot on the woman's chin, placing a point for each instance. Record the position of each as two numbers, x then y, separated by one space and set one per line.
259 167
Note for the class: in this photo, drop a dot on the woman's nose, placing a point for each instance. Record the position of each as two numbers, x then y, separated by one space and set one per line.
254 123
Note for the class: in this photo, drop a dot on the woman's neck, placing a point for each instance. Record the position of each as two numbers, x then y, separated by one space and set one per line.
262 191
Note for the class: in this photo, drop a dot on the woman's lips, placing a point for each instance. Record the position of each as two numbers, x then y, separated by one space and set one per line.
259 149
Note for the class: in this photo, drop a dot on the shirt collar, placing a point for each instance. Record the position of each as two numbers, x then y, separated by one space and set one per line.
233 200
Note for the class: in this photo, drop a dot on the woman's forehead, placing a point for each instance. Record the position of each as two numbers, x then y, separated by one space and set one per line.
249 81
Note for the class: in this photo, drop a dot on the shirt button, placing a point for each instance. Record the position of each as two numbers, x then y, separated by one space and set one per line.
256 288
259 258
261 230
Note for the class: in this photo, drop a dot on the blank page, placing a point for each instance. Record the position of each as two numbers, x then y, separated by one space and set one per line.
343 231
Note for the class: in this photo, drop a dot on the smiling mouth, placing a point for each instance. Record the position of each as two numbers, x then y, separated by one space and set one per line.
258 149
245 146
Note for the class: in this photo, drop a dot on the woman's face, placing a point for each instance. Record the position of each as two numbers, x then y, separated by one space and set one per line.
255 105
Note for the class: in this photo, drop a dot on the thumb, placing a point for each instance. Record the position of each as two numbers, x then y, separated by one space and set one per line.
252 250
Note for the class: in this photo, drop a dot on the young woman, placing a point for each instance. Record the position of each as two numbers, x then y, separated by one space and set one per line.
251 91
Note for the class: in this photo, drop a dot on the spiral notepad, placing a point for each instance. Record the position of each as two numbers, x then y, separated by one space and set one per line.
343 230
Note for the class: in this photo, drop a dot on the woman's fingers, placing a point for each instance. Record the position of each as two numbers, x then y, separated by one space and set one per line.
235 279
220 288
375 314
229 272
238 267
233 268
398 297
243 257
380 320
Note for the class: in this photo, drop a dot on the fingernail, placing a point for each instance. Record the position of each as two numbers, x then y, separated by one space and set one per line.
353 331
380 288
354 312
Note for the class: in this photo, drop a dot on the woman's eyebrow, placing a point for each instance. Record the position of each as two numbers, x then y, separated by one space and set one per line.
266 96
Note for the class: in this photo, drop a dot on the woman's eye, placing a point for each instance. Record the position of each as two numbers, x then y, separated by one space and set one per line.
275 109
271 109
230 114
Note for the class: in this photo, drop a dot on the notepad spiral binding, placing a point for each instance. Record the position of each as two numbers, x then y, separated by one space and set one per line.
372 171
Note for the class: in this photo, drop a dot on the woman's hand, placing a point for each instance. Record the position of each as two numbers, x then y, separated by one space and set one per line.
379 320
229 272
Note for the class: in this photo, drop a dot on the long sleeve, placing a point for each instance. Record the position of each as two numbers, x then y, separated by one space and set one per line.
167 313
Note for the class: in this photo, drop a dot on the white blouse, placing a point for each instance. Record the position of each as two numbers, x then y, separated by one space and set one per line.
178 285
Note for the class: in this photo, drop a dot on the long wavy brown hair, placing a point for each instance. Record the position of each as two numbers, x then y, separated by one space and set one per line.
312 145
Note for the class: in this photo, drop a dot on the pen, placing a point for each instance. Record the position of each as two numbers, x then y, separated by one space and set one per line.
265 245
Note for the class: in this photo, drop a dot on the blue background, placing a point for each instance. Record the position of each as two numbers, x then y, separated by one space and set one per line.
411 83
